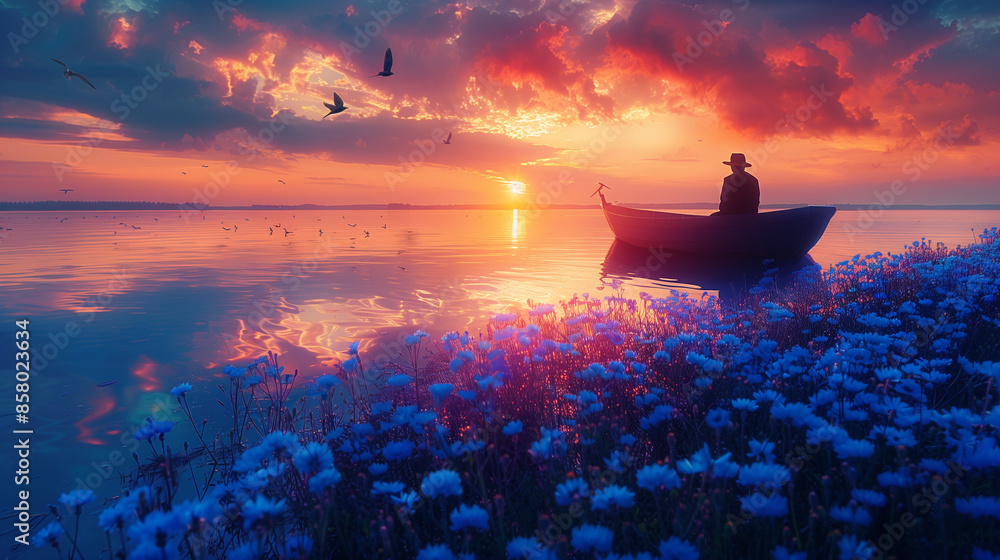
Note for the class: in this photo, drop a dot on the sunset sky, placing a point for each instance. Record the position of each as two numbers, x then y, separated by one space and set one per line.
831 101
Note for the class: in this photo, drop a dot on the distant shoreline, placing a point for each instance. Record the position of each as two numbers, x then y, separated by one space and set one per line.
67 205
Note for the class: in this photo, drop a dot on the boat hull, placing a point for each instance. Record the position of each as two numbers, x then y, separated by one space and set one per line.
780 234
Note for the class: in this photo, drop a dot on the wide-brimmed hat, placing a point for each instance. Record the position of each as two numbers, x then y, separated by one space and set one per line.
737 160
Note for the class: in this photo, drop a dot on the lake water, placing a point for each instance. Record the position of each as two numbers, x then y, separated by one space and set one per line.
149 300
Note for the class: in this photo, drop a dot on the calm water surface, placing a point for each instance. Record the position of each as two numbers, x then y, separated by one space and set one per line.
149 300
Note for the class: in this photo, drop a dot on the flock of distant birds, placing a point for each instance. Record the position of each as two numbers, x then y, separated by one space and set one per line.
336 107
235 228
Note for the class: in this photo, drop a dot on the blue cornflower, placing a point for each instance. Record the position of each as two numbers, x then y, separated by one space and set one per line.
745 404
513 427
773 505
676 549
796 413
444 482
524 548
613 495
252 380
868 497
353 348
400 380
571 491
782 553
761 450
261 511
114 517
197 515
469 516
397 450
592 537
407 500
847 447
153 428
440 391
76 499
979 506
328 381
435 551
850 548
657 477
350 364
157 527
702 461
378 469
852 515
762 473
280 444
717 418
314 457
49 535
552 444
180 389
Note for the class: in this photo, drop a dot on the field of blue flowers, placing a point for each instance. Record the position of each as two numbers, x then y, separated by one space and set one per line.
850 414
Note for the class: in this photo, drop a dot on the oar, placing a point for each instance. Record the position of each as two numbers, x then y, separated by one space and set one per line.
598 191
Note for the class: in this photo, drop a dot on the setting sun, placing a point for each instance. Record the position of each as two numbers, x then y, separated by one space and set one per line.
516 187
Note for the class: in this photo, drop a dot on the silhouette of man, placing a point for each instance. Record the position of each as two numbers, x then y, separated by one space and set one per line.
740 190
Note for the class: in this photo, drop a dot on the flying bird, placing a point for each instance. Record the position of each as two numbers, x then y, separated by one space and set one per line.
280 181
225 228
367 234
353 225
386 65
448 139
68 74
337 107
183 173
204 166
66 191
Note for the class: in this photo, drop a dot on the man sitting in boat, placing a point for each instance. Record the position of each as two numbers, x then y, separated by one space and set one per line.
740 191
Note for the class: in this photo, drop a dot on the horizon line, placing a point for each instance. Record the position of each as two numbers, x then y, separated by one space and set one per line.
186 206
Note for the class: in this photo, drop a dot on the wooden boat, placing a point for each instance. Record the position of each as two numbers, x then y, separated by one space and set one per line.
780 234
